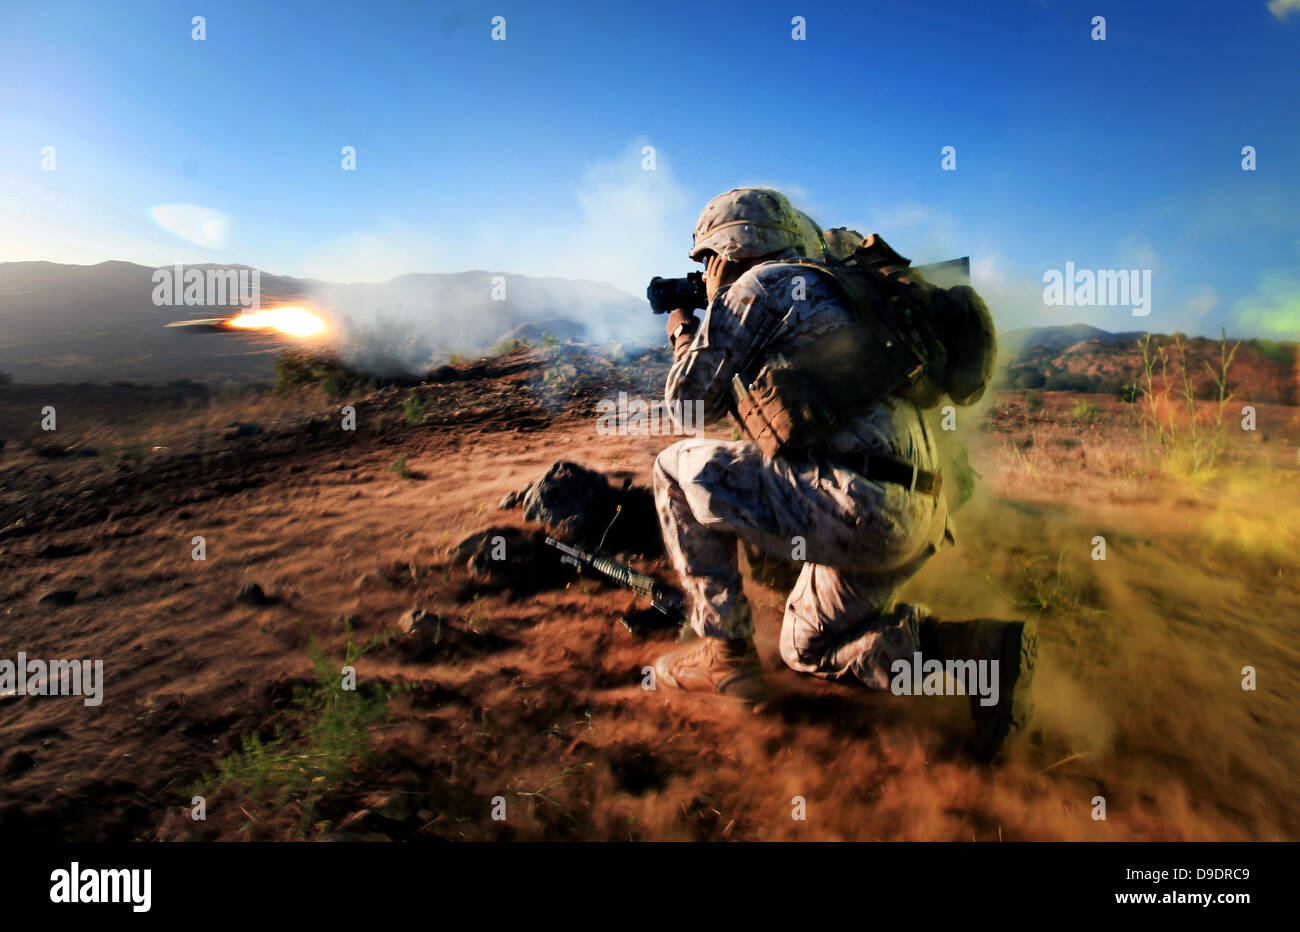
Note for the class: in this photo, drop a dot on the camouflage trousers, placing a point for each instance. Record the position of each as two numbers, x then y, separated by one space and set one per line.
859 542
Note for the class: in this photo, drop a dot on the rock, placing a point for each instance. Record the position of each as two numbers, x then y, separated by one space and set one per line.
18 762
56 551
419 623
368 581
362 825
443 373
58 597
515 558
253 594
511 500
578 504
52 450
242 429
568 499
87 451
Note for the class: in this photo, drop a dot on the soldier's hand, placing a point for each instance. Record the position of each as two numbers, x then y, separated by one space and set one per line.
713 272
684 319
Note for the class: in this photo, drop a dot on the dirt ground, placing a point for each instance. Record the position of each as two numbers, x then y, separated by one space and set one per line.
531 699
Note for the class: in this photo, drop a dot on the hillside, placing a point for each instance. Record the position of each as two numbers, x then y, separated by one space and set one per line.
69 323
1084 359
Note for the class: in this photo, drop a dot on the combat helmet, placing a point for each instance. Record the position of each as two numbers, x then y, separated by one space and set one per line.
746 223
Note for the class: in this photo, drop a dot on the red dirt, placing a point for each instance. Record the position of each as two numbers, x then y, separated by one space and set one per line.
537 698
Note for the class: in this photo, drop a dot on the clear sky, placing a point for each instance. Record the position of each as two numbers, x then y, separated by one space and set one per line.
525 155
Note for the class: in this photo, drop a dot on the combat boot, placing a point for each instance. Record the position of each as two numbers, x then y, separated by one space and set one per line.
727 668
1014 645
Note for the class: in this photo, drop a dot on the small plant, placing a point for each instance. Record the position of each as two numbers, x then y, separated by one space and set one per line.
325 741
305 367
1084 410
1044 587
539 795
512 345
1033 401
1189 440
414 409
401 468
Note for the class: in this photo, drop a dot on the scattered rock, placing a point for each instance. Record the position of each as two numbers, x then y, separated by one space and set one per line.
363 825
568 500
58 597
513 558
18 762
578 504
419 623
56 551
242 429
253 594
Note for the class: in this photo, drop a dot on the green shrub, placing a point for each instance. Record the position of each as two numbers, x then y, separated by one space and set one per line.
414 409
308 367
513 345
325 741
1084 409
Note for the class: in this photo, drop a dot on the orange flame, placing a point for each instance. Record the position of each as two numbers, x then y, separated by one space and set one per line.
291 320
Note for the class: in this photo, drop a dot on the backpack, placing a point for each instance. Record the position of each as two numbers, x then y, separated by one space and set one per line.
908 336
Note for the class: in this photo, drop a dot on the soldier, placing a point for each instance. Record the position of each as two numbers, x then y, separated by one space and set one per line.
861 507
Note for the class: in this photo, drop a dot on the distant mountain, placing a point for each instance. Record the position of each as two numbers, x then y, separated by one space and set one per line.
71 323
1058 338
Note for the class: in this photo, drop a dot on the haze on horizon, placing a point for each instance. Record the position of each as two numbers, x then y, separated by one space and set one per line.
528 155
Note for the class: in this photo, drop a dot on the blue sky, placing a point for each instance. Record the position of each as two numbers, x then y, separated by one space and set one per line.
525 155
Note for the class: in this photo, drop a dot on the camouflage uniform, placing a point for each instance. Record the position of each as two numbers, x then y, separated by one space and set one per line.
862 539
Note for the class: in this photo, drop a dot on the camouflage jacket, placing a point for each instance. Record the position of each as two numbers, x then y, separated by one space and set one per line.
762 314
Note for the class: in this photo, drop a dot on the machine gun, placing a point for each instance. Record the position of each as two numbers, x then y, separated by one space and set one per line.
667 605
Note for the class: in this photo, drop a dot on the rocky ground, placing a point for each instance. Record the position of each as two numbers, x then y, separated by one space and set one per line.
517 694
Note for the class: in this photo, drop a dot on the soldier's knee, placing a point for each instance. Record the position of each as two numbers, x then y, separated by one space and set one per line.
798 654
665 471
790 654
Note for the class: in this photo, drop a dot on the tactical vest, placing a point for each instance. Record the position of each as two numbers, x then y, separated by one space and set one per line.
907 337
